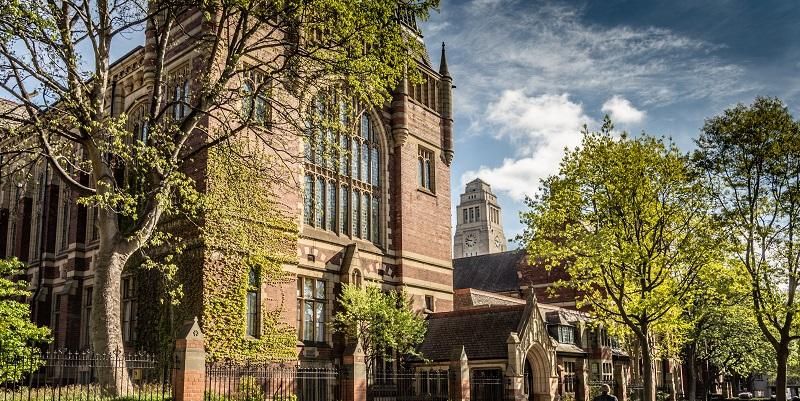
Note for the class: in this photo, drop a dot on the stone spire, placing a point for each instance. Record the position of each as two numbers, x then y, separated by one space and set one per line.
443 63
446 108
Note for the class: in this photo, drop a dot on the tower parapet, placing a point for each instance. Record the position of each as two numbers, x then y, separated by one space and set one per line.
479 227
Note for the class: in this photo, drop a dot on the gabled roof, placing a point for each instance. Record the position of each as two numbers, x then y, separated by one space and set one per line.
483 332
494 272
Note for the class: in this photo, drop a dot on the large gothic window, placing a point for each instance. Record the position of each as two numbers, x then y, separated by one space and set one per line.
342 182
137 122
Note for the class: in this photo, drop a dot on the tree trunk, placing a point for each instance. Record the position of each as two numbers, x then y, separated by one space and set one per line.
780 379
106 322
647 366
691 360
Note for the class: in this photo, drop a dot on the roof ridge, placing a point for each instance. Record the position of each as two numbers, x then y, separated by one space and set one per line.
518 250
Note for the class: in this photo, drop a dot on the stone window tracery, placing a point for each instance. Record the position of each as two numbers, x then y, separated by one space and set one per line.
342 191
137 123
256 90
355 278
179 91
425 169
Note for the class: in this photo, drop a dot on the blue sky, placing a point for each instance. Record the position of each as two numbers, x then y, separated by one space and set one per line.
530 73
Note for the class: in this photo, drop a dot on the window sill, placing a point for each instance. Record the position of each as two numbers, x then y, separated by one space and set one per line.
426 191
339 239
314 344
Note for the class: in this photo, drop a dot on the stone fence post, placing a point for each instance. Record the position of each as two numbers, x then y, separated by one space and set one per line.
189 374
582 380
621 379
354 377
459 385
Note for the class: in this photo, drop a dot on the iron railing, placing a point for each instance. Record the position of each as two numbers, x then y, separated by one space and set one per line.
73 376
230 381
409 385
486 385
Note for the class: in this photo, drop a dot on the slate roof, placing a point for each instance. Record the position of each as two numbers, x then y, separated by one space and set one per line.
483 332
494 272
561 315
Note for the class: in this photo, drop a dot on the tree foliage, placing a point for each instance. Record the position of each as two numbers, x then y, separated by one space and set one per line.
723 333
751 157
627 220
382 322
19 338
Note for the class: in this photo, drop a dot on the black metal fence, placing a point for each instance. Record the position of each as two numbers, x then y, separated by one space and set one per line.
636 392
409 385
258 382
68 376
486 385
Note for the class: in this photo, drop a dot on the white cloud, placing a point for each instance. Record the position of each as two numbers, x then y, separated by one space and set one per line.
541 126
622 111
516 177
535 117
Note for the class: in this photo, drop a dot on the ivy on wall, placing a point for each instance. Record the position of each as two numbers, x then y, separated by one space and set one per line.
245 226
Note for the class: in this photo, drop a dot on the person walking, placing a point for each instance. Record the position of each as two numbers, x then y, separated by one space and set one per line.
605 389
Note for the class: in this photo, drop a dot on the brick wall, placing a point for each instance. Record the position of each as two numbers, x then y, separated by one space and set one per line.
425 224
542 281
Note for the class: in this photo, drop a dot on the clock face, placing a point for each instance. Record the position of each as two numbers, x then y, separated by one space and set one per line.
497 242
470 240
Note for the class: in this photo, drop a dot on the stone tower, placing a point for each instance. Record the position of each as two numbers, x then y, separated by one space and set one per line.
479 229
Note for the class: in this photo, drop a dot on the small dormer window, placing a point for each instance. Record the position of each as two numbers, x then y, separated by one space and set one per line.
566 334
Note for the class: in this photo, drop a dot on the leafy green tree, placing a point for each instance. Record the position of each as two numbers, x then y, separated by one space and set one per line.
751 157
19 337
382 322
723 331
56 67
630 224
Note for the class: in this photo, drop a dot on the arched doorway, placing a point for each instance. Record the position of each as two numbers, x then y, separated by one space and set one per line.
527 380
543 379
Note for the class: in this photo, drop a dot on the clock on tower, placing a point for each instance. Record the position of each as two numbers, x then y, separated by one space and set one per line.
470 241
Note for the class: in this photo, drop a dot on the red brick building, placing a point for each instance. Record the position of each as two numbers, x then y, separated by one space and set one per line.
383 217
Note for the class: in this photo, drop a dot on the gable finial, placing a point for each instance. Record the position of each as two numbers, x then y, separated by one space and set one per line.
443 63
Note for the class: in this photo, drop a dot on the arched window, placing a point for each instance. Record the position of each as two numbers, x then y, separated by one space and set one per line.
343 174
355 278
255 98
137 122
181 95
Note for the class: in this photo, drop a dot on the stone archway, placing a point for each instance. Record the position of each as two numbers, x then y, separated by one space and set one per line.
531 348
